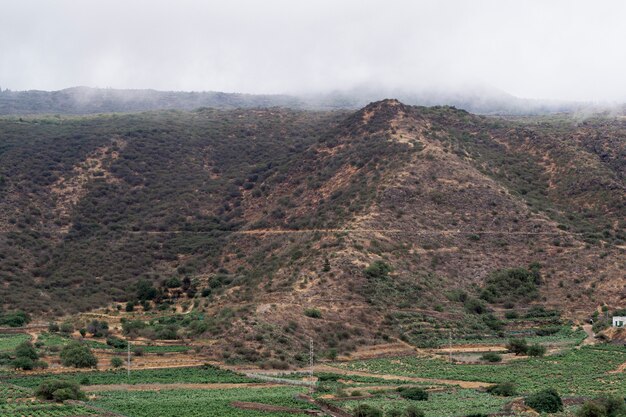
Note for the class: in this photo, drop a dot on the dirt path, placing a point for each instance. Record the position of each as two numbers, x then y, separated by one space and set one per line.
173 386
462 384
591 336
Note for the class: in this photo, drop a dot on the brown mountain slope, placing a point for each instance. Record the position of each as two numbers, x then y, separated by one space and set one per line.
268 213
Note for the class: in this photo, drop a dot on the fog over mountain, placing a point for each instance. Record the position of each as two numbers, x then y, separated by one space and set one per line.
558 50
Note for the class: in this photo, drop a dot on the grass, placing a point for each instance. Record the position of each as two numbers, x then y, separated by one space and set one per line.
199 403
56 340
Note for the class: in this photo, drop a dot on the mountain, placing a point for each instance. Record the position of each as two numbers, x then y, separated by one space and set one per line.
84 100
393 220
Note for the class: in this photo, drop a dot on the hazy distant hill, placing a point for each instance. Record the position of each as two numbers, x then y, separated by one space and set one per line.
84 100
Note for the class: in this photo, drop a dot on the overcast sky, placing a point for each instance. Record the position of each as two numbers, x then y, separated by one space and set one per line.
565 49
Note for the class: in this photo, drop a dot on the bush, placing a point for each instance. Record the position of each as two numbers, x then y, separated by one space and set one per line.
546 401
517 346
536 350
130 306
475 306
14 319
116 362
98 328
26 350
78 355
491 357
116 342
412 411
24 363
413 393
364 410
504 389
603 407
511 285
377 270
66 328
59 390
53 327
313 313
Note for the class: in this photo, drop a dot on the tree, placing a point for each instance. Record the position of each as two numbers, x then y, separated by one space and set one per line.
59 390
78 355
146 291
546 401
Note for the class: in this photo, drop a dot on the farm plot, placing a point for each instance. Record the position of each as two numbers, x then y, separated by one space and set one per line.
440 404
18 402
198 375
582 371
8 342
200 403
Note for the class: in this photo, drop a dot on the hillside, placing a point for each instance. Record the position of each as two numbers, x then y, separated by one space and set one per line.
389 221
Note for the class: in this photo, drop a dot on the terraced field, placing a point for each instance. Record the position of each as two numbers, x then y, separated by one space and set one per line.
584 371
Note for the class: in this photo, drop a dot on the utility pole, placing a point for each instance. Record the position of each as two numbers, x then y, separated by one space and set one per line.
128 367
450 345
311 362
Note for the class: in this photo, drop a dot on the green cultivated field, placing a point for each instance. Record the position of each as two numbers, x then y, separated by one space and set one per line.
17 402
199 403
439 404
581 371
8 342
197 375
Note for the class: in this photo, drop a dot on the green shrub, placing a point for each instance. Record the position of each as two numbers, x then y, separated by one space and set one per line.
603 407
536 350
14 319
59 390
364 410
504 389
475 306
66 328
491 357
26 350
313 313
511 285
116 362
78 355
377 270
517 346
545 401
413 393
412 411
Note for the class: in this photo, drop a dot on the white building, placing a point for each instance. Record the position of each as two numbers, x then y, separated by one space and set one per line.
619 321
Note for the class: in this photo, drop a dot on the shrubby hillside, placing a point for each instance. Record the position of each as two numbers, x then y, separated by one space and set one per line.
388 221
